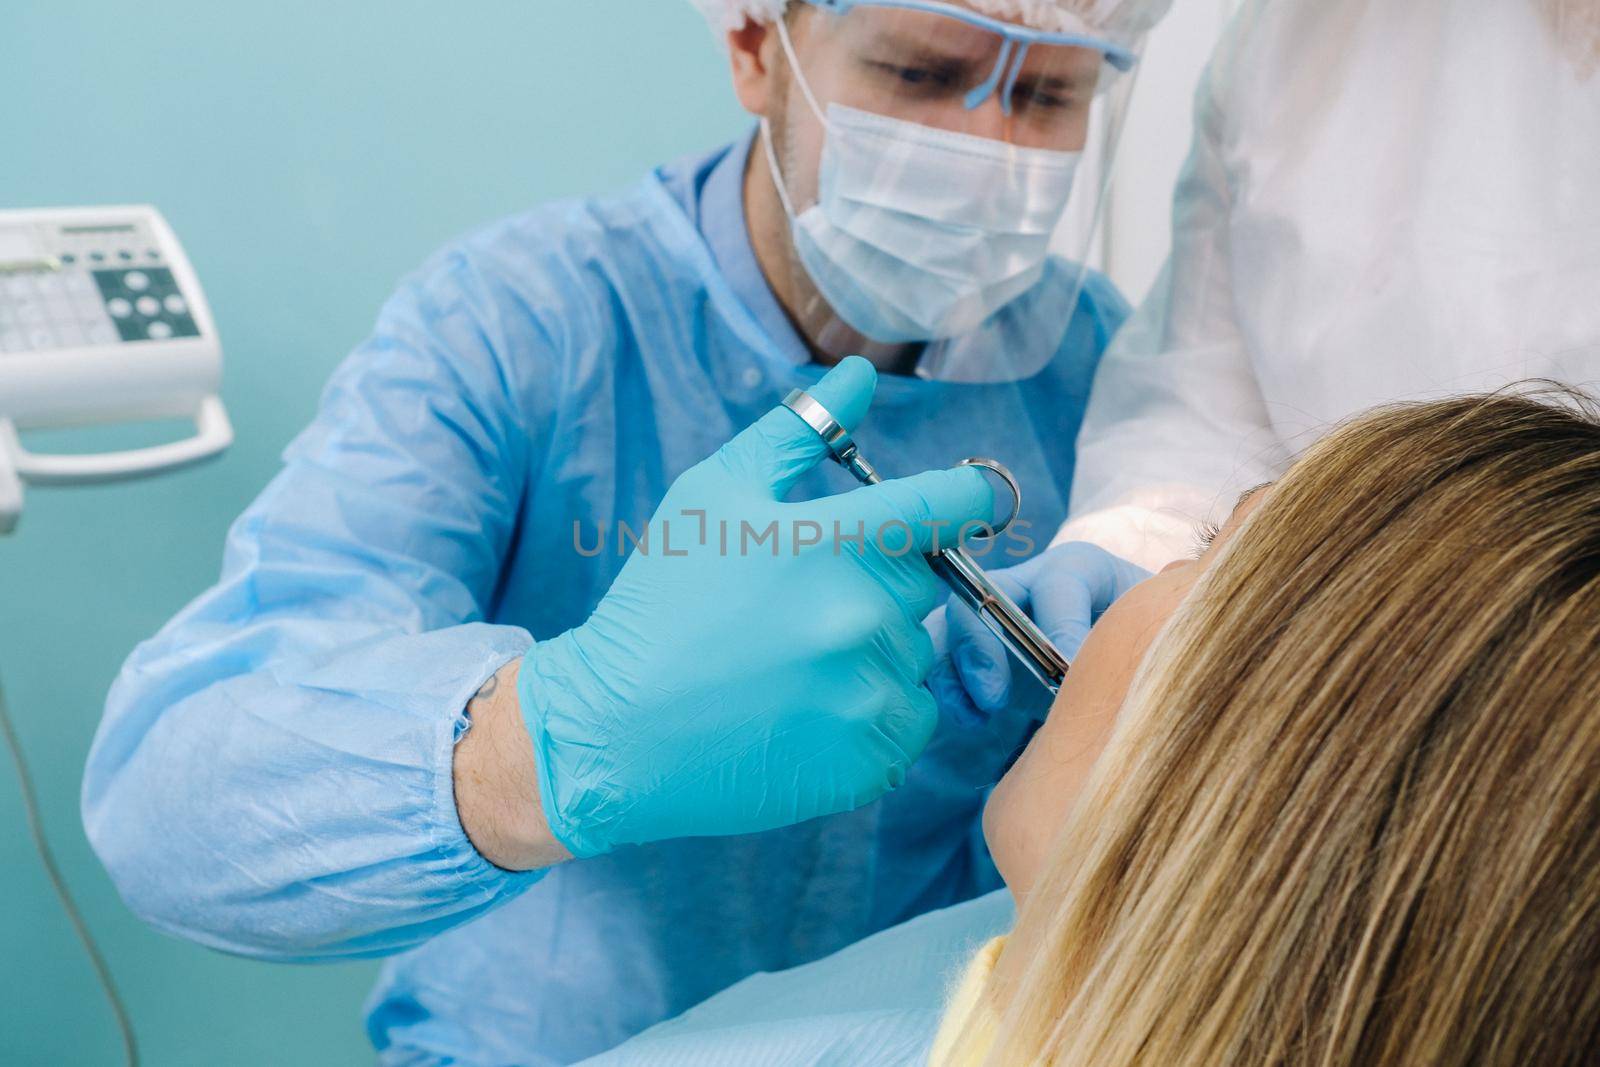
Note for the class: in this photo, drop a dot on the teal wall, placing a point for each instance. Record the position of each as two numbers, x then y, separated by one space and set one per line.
308 153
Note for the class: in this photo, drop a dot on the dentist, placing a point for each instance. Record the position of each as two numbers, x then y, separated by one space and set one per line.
573 791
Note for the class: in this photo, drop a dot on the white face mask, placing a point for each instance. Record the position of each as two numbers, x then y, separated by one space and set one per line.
921 234
961 230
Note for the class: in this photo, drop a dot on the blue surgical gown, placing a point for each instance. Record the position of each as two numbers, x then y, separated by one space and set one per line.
273 773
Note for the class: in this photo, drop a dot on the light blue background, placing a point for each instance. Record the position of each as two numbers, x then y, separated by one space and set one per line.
308 153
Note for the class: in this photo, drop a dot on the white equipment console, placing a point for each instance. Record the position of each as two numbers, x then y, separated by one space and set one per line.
101 320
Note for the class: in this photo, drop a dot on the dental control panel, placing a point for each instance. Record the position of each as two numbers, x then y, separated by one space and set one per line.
102 320
68 283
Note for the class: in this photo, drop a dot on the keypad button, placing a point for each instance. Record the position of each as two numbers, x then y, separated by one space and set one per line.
136 280
125 255
148 306
175 304
119 308
78 283
13 341
41 337
159 331
29 312
50 285
101 333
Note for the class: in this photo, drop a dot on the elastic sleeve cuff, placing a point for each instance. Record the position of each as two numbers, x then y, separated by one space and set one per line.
314 817
476 878
540 680
414 691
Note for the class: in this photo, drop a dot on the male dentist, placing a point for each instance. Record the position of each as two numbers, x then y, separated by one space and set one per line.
433 711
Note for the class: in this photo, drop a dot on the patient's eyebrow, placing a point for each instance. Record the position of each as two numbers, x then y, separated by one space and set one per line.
1245 496
1211 533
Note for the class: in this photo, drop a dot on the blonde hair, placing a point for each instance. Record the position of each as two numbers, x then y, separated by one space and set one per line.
1351 812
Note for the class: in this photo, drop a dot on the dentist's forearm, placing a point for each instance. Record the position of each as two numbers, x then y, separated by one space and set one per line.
497 784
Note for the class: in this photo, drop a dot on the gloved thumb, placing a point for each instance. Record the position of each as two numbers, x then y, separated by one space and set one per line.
780 446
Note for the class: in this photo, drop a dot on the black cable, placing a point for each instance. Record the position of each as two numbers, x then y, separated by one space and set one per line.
30 804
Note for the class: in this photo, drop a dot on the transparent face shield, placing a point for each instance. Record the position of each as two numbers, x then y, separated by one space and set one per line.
927 156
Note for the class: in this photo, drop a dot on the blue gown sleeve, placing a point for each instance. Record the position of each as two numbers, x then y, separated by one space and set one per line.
273 774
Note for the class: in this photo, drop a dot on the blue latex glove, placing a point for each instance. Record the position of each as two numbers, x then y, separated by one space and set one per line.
1065 590
722 692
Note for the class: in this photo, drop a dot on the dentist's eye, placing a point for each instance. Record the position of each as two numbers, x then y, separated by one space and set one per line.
926 78
1037 98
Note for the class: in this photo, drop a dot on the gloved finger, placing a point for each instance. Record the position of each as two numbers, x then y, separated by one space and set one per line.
903 650
944 681
911 517
1064 591
894 525
950 693
915 588
908 723
919 656
1074 585
780 446
981 663
873 746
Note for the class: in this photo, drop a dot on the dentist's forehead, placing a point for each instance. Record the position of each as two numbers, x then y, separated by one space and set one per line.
896 27
947 38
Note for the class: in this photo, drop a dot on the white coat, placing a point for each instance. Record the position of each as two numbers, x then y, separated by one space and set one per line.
1384 201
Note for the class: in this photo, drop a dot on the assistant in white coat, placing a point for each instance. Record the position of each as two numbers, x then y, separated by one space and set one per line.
1383 202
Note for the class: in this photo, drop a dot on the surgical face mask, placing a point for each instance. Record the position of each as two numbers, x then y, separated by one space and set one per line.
920 234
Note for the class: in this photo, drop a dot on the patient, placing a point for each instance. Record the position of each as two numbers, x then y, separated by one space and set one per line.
1328 794
1347 809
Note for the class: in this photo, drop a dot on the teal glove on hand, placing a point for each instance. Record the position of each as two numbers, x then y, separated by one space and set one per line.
763 663
1065 590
